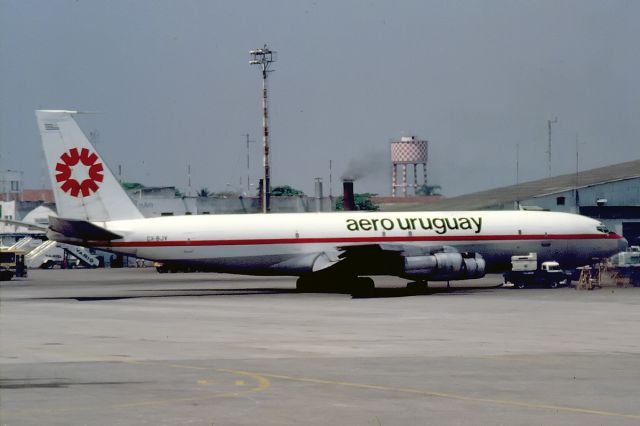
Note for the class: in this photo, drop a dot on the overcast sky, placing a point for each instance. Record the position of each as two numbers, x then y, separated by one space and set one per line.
173 86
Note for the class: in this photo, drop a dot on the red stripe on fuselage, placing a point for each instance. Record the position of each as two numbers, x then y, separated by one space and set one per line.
347 240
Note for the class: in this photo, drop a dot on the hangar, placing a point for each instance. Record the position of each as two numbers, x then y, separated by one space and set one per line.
610 193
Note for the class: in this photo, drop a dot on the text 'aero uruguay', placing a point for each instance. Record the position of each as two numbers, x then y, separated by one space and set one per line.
438 225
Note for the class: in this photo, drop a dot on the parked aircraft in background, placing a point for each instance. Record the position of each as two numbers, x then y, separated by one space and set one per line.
344 247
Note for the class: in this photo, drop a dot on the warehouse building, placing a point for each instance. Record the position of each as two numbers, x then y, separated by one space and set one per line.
610 194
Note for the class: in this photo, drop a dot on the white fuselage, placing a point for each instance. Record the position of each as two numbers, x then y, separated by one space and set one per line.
258 243
91 204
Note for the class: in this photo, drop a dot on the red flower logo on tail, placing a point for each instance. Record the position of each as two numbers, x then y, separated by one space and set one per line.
72 159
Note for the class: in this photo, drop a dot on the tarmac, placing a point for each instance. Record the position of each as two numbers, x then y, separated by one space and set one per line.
134 347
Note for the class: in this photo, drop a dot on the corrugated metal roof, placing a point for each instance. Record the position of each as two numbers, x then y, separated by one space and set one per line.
500 196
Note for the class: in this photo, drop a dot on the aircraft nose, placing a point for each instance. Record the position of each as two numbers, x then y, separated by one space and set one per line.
623 244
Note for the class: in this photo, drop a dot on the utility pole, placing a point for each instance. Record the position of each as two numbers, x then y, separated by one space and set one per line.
549 123
264 57
188 179
517 163
248 163
518 175
330 180
577 195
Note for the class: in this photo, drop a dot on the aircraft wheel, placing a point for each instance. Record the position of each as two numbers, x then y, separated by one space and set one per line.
301 284
365 283
417 285
307 284
361 287
47 265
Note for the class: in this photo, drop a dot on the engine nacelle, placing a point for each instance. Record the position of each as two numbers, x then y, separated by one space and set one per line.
444 266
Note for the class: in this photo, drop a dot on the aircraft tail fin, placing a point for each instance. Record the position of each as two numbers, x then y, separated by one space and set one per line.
83 186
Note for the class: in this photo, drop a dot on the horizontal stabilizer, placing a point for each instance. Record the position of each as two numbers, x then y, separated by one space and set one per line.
81 229
32 226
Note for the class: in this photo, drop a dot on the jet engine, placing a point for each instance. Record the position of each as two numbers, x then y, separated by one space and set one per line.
444 266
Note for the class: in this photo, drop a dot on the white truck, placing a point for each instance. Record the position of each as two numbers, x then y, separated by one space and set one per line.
525 272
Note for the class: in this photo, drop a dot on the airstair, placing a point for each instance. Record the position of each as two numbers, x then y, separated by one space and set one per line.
22 244
82 254
51 252
39 255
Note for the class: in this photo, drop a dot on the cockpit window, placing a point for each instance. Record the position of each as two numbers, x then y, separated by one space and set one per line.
602 229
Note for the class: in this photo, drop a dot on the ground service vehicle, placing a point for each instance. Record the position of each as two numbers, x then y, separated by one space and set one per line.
12 264
525 272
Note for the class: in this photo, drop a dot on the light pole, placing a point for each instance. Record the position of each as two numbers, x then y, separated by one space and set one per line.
248 164
549 123
264 57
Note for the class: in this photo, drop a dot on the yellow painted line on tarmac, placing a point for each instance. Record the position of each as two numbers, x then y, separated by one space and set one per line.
262 384
189 367
426 392
513 358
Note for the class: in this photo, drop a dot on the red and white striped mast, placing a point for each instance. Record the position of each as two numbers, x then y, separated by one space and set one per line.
264 57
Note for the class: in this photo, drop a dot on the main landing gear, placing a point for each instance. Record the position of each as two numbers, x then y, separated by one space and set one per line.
422 287
334 284
418 285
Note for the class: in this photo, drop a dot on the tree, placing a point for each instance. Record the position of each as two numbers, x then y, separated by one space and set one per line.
204 192
429 190
362 201
285 191
131 185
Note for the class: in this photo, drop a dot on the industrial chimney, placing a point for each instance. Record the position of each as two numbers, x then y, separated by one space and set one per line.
318 194
348 201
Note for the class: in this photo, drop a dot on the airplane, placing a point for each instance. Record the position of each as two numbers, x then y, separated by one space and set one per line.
343 248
